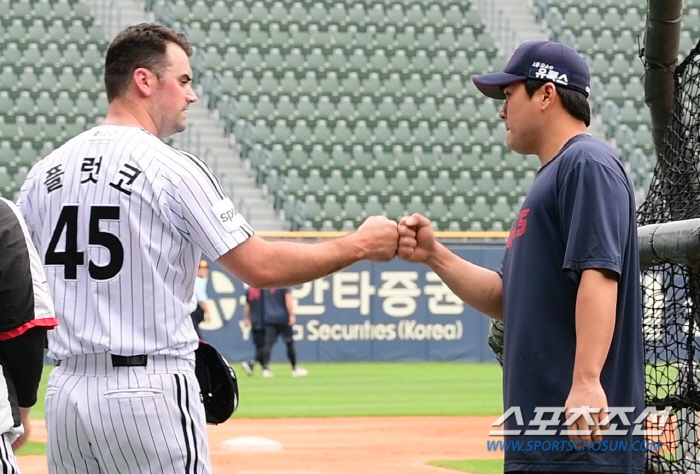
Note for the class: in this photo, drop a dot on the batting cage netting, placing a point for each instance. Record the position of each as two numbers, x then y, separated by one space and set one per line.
671 292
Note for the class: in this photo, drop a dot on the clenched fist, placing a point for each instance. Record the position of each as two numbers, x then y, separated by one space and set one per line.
381 237
416 239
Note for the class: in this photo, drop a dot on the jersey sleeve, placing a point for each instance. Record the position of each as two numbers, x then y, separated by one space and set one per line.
594 205
24 290
200 210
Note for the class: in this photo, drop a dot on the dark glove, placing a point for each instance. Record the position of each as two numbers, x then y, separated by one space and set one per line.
495 339
217 382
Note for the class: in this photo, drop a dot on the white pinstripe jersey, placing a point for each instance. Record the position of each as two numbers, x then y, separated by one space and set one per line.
120 220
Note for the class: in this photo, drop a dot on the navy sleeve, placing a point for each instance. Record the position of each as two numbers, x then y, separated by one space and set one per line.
16 286
594 206
23 360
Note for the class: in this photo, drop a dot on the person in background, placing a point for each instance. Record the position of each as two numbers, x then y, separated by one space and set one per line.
27 314
276 309
201 312
253 318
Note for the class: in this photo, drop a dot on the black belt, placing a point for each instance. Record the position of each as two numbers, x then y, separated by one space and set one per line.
129 361
123 361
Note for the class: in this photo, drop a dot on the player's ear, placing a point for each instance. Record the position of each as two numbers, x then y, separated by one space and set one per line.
548 93
144 81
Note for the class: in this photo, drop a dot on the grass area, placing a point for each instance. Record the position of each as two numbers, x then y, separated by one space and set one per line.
475 466
363 389
373 389
31 447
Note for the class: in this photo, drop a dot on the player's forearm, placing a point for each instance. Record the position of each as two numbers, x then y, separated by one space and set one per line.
293 263
479 287
596 303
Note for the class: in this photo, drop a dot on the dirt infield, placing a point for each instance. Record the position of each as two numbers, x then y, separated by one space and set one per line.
336 445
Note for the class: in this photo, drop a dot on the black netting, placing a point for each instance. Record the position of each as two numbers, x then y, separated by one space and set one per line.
671 292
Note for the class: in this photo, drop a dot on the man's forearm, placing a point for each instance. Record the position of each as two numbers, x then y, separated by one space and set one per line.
596 304
479 287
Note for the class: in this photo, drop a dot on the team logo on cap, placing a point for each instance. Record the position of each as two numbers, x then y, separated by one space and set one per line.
547 72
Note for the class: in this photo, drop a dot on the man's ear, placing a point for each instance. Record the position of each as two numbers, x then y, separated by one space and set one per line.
548 94
143 81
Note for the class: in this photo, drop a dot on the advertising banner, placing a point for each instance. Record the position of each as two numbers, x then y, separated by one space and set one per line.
393 311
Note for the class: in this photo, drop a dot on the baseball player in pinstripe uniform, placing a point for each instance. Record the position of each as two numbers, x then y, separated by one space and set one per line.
27 312
121 219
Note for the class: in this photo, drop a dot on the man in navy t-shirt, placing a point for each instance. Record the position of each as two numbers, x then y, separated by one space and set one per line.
253 318
275 310
568 290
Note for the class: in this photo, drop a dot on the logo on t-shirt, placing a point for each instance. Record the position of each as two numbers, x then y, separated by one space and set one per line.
518 228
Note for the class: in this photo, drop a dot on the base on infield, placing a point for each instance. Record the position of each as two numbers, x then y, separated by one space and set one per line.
248 444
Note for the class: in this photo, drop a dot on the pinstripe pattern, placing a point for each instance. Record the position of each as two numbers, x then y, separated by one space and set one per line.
173 211
120 220
125 419
8 461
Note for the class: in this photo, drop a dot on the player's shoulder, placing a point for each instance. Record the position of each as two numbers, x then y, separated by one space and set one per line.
176 160
585 150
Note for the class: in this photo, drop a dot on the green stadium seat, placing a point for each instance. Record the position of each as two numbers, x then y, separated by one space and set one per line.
45 104
372 85
634 90
335 183
362 133
353 209
324 107
507 185
285 107
289 84
345 108
428 110
357 184
400 183
634 21
366 108
322 133
305 108
315 183
309 84
268 84
316 60
373 207
24 105
278 36
74 128
443 182
382 132
342 133
349 85
274 59
526 181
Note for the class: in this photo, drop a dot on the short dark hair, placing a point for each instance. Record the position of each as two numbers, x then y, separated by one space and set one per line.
574 102
143 45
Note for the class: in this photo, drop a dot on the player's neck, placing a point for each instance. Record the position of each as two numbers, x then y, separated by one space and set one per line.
556 135
126 113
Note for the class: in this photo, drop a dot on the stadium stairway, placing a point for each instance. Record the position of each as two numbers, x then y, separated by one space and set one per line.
228 166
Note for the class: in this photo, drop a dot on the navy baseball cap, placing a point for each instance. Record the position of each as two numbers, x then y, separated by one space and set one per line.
546 60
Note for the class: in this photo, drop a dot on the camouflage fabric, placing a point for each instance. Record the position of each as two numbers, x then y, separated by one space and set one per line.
495 339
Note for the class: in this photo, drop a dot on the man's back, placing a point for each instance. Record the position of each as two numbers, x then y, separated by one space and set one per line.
119 218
